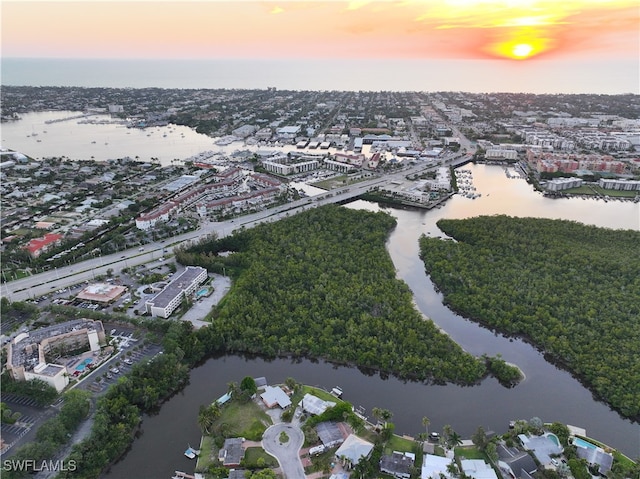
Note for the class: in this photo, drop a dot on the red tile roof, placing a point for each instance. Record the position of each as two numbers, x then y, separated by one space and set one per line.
38 244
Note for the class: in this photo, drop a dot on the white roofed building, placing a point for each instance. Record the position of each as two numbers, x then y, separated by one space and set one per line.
434 466
275 396
478 469
314 405
353 449
168 300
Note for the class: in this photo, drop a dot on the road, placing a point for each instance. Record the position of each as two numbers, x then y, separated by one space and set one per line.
288 451
58 278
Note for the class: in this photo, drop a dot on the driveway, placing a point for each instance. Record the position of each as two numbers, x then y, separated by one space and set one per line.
288 452
202 307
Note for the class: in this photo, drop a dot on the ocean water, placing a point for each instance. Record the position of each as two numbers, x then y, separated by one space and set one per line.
477 76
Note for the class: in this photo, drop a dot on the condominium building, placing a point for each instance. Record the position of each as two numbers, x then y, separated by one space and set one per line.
558 184
172 295
30 354
624 185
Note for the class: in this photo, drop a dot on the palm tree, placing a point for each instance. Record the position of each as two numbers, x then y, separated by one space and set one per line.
233 388
447 430
454 440
452 469
216 409
377 413
207 415
204 420
425 423
385 415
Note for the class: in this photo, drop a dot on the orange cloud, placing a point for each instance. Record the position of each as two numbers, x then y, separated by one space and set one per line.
516 29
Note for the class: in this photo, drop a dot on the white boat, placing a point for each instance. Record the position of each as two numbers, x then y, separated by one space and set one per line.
191 453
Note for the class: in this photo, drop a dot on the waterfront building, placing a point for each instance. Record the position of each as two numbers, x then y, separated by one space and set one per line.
398 464
500 153
314 405
354 449
594 455
275 396
559 184
244 131
617 184
569 163
435 467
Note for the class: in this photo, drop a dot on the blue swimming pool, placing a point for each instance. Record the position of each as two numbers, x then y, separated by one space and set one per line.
82 366
553 438
202 292
582 443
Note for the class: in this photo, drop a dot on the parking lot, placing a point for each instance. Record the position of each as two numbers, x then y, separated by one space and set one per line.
131 352
30 415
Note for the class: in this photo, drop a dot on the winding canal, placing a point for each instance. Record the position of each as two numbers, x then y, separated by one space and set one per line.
548 392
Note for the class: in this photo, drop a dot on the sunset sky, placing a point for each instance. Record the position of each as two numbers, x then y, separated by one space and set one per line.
471 45
429 29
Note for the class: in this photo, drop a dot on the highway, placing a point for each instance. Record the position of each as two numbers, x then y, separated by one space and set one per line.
63 277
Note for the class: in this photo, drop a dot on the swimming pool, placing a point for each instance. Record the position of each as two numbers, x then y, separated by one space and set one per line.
553 438
582 443
202 292
82 366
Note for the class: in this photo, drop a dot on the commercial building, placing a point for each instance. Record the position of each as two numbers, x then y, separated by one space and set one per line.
31 355
172 295
101 293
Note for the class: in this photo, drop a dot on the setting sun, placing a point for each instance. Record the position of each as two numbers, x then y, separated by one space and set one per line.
522 50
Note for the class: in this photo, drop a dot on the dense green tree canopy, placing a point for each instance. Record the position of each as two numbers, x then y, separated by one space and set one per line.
321 284
573 290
